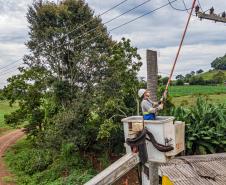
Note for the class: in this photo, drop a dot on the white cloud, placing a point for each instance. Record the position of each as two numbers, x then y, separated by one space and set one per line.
193 57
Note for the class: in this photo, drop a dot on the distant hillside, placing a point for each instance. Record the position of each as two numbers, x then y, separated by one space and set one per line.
209 75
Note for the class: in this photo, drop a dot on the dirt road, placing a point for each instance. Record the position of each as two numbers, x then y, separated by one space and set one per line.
6 141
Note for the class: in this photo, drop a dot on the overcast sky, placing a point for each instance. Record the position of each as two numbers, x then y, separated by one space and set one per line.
160 31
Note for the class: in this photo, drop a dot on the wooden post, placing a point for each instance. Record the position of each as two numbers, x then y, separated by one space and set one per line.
152 74
116 170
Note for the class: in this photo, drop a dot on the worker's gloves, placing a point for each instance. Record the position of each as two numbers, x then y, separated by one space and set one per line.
155 104
153 110
162 99
160 107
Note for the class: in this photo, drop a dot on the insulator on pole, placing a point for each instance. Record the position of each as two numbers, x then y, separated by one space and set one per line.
211 10
197 9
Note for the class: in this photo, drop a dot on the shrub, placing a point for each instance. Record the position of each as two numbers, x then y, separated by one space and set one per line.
33 165
180 82
205 127
219 63
30 160
197 80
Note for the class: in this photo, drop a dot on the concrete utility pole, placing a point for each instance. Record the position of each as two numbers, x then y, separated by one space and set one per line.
152 74
152 86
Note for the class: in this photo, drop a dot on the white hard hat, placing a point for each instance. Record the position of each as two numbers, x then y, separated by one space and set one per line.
141 92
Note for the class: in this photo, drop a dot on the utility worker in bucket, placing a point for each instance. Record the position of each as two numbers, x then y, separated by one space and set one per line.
149 108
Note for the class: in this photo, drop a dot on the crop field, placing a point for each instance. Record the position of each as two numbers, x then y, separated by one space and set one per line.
177 91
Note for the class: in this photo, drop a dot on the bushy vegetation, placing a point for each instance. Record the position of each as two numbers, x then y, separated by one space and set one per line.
219 63
72 94
205 127
33 165
5 108
209 74
213 77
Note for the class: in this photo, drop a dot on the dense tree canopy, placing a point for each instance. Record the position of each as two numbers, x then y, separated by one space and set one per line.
76 86
219 63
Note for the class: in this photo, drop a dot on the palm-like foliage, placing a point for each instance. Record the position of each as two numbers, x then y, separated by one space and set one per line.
205 127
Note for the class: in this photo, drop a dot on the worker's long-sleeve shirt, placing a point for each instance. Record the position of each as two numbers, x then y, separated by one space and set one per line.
147 106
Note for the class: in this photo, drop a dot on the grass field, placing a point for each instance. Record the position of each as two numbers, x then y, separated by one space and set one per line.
177 91
5 109
190 100
209 75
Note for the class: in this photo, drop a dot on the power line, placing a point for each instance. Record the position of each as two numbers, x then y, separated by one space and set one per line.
12 63
200 5
10 69
139 17
117 27
110 9
105 12
178 9
185 6
6 71
124 13
116 17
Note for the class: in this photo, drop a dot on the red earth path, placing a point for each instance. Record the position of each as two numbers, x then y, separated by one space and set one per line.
6 141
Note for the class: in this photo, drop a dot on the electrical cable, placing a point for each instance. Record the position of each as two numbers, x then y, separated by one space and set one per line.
3 67
105 12
178 9
143 15
5 72
114 18
187 10
118 16
110 9
139 17
200 5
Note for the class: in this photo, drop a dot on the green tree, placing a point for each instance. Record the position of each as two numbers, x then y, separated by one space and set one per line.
73 65
28 89
199 71
180 77
1 95
197 80
164 80
74 90
219 77
192 73
219 63
187 77
179 82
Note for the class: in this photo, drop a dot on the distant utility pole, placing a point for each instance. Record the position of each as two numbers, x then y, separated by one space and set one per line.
211 15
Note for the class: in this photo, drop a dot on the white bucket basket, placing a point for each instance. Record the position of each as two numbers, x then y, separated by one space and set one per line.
165 130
